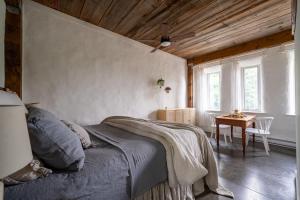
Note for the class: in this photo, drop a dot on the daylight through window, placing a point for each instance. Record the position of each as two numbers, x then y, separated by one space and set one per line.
251 88
214 90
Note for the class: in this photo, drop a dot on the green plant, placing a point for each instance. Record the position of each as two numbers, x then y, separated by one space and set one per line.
160 82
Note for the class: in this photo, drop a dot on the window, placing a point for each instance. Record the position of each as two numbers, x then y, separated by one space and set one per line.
214 90
250 79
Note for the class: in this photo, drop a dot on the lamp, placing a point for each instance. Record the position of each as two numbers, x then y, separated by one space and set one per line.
15 149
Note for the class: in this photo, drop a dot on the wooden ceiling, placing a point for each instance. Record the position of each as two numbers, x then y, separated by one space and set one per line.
218 24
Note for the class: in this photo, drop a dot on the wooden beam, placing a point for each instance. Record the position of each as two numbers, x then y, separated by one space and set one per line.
190 85
294 15
13 46
260 43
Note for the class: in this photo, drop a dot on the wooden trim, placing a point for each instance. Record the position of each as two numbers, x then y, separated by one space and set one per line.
260 43
190 86
13 46
294 16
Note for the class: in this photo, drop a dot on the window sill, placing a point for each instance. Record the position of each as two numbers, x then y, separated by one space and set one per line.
290 115
213 111
254 112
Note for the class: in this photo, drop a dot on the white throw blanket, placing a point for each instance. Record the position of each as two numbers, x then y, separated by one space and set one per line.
188 151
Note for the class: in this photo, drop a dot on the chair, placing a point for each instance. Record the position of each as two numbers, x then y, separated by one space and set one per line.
263 125
225 129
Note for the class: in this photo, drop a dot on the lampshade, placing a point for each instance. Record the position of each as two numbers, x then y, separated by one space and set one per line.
10 98
15 149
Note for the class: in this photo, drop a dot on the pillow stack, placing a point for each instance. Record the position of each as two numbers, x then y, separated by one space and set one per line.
53 142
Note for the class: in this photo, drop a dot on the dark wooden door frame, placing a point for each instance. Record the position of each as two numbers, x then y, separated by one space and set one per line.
13 46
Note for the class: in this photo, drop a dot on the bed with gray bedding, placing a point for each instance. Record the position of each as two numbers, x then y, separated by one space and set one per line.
121 166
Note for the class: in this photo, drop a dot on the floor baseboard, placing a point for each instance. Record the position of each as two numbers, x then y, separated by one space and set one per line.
272 141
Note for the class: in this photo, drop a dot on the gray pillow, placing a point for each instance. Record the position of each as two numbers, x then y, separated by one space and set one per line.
53 142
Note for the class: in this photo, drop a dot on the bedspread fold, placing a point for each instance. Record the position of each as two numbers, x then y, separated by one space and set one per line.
189 154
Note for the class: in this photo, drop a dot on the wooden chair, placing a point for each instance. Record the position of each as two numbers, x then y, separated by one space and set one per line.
263 125
224 129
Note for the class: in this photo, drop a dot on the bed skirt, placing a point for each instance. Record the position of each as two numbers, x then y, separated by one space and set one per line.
164 192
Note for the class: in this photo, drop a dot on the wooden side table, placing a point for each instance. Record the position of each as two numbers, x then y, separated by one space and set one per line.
239 122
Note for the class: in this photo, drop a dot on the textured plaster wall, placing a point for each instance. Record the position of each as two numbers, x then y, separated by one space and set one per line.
275 93
297 56
85 73
2 30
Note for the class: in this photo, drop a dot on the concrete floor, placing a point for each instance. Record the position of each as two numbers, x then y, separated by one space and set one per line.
255 176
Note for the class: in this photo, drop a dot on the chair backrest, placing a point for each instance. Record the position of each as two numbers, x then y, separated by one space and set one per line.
212 118
264 123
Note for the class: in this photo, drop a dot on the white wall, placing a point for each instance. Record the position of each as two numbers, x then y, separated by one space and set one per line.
297 57
85 73
275 93
2 30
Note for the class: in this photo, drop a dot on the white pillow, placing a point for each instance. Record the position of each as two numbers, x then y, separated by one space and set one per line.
81 132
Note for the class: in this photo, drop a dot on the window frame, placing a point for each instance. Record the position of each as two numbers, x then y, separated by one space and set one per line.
208 74
259 90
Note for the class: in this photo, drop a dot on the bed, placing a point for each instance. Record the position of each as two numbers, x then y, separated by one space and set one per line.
122 165
105 175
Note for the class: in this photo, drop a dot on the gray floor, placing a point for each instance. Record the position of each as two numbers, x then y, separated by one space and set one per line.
255 176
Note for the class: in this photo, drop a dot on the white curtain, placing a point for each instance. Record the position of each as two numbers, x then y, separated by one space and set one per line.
200 95
235 86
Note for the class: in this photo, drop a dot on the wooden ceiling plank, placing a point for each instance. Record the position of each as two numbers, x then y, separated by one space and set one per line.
169 18
133 7
204 16
157 10
212 17
265 42
137 16
224 32
217 23
115 14
72 8
143 21
155 22
225 44
241 24
94 10
234 37
230 19
210 13
50 3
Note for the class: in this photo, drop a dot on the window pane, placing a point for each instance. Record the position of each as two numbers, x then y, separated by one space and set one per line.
214 91
250 88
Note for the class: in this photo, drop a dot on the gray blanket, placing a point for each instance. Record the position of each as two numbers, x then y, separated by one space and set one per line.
146 157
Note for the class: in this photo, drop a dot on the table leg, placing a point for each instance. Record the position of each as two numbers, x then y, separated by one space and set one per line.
244 140
218 134
253 139
231 131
